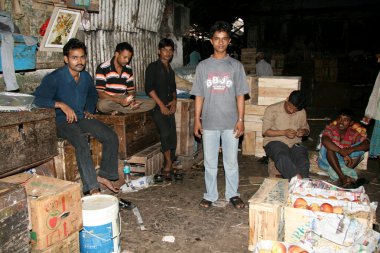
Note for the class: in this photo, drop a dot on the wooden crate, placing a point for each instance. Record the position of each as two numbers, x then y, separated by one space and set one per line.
266 212
66 166
276 88
136 131
148 161
27 139
253 139
184 117
14 218
252 81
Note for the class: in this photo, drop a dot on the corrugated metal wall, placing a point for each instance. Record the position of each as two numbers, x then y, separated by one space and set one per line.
134 21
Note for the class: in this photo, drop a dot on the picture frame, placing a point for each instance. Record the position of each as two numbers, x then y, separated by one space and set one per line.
62 27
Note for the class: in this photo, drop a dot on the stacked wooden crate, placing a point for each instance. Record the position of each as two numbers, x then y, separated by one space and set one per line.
248 59
326 70
270 90
277 63
253 89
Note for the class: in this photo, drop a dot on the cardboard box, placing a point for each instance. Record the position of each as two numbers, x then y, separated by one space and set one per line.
55 208
68 245
266 211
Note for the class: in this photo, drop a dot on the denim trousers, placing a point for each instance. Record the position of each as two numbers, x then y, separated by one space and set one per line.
289 161
211 143
75 134
324 164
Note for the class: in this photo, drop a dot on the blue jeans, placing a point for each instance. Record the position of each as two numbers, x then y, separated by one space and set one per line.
211 143
75 134
325 165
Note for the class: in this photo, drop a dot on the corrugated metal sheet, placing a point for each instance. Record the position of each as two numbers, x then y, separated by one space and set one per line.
101 46
150 14
134 21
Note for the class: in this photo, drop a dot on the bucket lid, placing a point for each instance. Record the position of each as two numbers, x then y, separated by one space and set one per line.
99 201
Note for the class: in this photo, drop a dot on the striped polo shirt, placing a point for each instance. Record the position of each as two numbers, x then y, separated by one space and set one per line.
108 80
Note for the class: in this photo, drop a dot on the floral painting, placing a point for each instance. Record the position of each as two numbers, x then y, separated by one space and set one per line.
63 26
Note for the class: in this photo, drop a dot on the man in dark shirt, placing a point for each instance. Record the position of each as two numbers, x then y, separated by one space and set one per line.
70 90
160 85
114 83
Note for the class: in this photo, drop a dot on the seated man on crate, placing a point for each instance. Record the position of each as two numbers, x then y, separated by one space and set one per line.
343 145
114 83
284 125
70 90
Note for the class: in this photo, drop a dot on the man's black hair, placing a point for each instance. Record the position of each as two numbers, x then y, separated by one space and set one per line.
123 46
346 112
166 42
221 26
74 44
298 99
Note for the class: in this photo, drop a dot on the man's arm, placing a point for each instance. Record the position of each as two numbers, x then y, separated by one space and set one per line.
239 127
197 117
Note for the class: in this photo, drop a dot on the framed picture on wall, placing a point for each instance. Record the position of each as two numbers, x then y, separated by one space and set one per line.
63 26
89 5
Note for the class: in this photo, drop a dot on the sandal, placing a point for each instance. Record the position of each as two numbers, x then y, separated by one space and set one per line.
205 204
237 202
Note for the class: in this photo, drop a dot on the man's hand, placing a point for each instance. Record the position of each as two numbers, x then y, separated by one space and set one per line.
126 101
172 105
290 133
239 129
70 114
88 115
198 128
164 110
301 132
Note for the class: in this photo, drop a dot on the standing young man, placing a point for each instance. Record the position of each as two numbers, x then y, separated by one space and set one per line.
161 87
70 90
114 83
219 88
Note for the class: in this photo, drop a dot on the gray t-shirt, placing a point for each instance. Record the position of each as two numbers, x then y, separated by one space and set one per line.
219 81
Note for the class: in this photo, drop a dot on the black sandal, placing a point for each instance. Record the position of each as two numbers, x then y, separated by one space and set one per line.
237 202
205 204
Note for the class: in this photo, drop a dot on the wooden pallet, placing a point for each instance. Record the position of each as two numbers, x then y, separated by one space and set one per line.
148 161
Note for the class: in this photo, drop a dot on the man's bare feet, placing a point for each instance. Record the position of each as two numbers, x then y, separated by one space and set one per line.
107 183
94 191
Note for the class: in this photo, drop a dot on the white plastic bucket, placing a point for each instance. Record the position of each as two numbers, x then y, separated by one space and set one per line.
101 224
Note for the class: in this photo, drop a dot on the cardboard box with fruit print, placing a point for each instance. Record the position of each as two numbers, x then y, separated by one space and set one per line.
55 208
326 215
267 246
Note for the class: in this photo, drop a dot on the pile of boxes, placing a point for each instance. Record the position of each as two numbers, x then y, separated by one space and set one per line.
313 214
55 213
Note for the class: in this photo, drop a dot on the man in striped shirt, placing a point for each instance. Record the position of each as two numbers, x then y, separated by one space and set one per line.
114 83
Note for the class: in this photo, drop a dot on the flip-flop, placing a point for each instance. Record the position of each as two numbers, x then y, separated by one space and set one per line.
205 204
237 202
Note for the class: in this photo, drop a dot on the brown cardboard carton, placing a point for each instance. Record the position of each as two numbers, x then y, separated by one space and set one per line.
55 208
68 245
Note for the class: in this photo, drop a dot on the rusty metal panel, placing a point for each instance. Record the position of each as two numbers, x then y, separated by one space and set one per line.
126 12
150 14
105 18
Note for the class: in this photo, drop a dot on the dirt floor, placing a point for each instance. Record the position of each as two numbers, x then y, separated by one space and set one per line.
171 209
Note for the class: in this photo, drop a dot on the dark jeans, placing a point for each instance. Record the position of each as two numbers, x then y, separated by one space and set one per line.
75 134
167 130
289 161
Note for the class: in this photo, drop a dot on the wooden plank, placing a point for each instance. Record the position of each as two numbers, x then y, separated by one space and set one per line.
255 109
249 143
265 211
148 161
275 92
253 126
